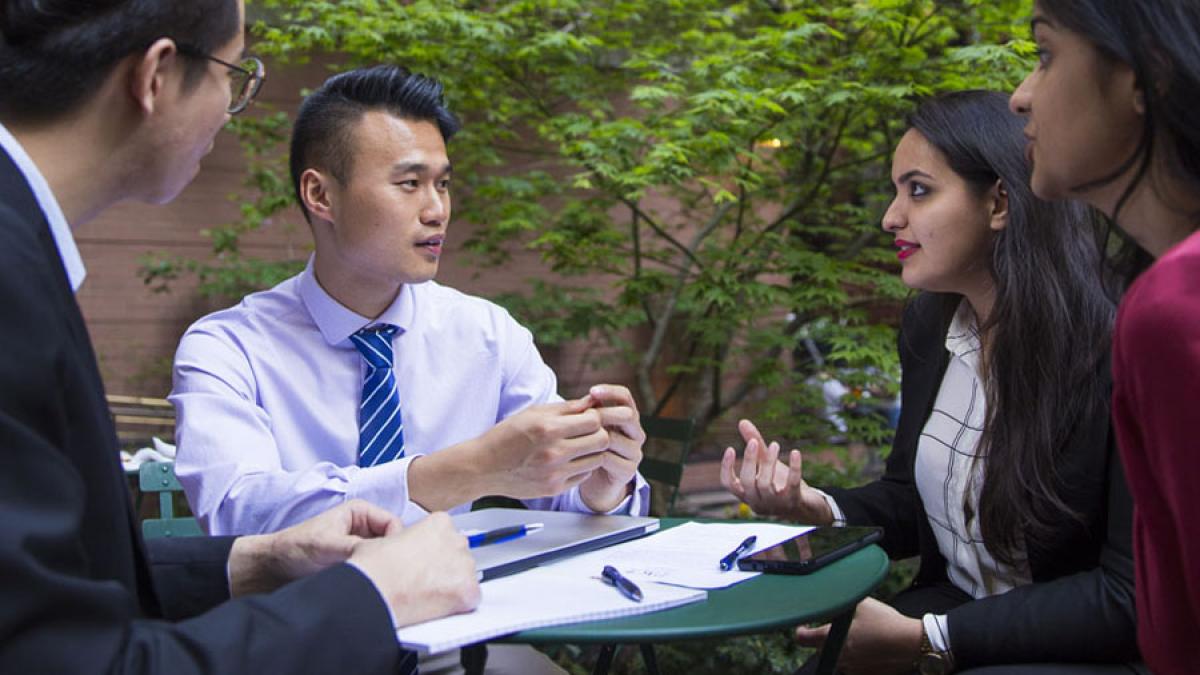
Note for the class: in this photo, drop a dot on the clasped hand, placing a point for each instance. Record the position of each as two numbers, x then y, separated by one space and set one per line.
594 442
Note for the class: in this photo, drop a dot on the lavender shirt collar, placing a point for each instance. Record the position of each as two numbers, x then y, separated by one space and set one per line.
338 322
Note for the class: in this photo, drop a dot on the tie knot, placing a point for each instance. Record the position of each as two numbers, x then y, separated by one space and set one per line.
375 344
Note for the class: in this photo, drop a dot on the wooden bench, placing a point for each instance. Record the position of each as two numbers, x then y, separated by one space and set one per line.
138 419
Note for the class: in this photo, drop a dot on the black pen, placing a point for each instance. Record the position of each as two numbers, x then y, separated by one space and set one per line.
611 576
730 560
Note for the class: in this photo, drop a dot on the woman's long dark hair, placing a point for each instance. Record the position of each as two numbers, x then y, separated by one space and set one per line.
1048 332
1160 41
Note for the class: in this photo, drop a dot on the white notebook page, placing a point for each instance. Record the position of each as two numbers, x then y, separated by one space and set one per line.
537 598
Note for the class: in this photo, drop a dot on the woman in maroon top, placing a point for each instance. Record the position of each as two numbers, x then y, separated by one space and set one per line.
1113 119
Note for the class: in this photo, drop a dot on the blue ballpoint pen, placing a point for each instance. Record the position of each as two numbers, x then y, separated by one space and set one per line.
611 576
501 534
730 560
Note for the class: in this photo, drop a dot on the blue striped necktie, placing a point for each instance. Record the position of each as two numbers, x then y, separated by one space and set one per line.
380 425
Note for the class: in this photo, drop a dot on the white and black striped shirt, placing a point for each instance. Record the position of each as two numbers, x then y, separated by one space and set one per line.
948 468
947 465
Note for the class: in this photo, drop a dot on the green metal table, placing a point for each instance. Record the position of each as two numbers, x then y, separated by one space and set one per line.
763 603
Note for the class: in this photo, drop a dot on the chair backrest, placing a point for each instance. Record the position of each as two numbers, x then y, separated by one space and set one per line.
159 477
670 441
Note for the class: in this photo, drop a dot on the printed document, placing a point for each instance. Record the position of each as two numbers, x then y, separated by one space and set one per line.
687 555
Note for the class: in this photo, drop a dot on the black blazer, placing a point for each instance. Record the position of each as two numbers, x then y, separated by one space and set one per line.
79 591
1080 606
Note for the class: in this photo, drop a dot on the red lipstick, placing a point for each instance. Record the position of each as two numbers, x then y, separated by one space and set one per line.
907 248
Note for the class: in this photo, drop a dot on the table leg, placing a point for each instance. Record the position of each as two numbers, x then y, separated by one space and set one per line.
605 661
473 659
833 644
649 658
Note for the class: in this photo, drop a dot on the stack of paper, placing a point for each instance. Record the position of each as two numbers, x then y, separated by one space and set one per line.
538 598
687 555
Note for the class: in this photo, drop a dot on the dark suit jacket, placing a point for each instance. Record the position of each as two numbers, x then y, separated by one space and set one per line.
79 591
1080 606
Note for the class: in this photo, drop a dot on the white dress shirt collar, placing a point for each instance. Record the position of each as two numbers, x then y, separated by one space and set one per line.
59 229
962 339
338 322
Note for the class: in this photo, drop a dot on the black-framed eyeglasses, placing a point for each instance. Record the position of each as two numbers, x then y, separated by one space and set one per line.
245 79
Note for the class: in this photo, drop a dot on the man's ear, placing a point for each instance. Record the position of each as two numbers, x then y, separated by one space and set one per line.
148 75
316 194
998 198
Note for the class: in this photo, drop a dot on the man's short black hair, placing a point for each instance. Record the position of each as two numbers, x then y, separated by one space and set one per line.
54 54
323 135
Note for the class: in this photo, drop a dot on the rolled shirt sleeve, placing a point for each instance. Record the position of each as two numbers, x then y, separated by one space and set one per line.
230 463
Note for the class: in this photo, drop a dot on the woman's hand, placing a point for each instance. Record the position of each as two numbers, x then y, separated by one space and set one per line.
769 486
881 641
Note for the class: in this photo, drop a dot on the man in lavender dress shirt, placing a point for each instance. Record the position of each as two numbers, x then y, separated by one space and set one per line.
268 391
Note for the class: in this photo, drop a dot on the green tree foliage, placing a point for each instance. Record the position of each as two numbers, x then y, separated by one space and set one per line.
707 175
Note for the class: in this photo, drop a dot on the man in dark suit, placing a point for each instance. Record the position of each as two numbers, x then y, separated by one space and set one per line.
103 101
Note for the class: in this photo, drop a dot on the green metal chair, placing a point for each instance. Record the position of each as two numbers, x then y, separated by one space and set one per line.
159 477
669 442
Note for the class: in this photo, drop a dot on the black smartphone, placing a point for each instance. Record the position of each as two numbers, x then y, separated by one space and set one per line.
811 551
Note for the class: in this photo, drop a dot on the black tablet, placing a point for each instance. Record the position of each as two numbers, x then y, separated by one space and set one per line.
811 551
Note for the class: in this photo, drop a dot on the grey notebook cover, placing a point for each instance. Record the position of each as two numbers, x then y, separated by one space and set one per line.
564 534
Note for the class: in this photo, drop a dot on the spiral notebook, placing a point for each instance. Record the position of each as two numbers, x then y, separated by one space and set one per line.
537 598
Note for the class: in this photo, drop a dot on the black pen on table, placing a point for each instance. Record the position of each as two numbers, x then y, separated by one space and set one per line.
611 576
730 560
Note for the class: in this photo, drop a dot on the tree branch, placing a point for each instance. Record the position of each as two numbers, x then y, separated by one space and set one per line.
650 357
826 169
656 227
860 242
